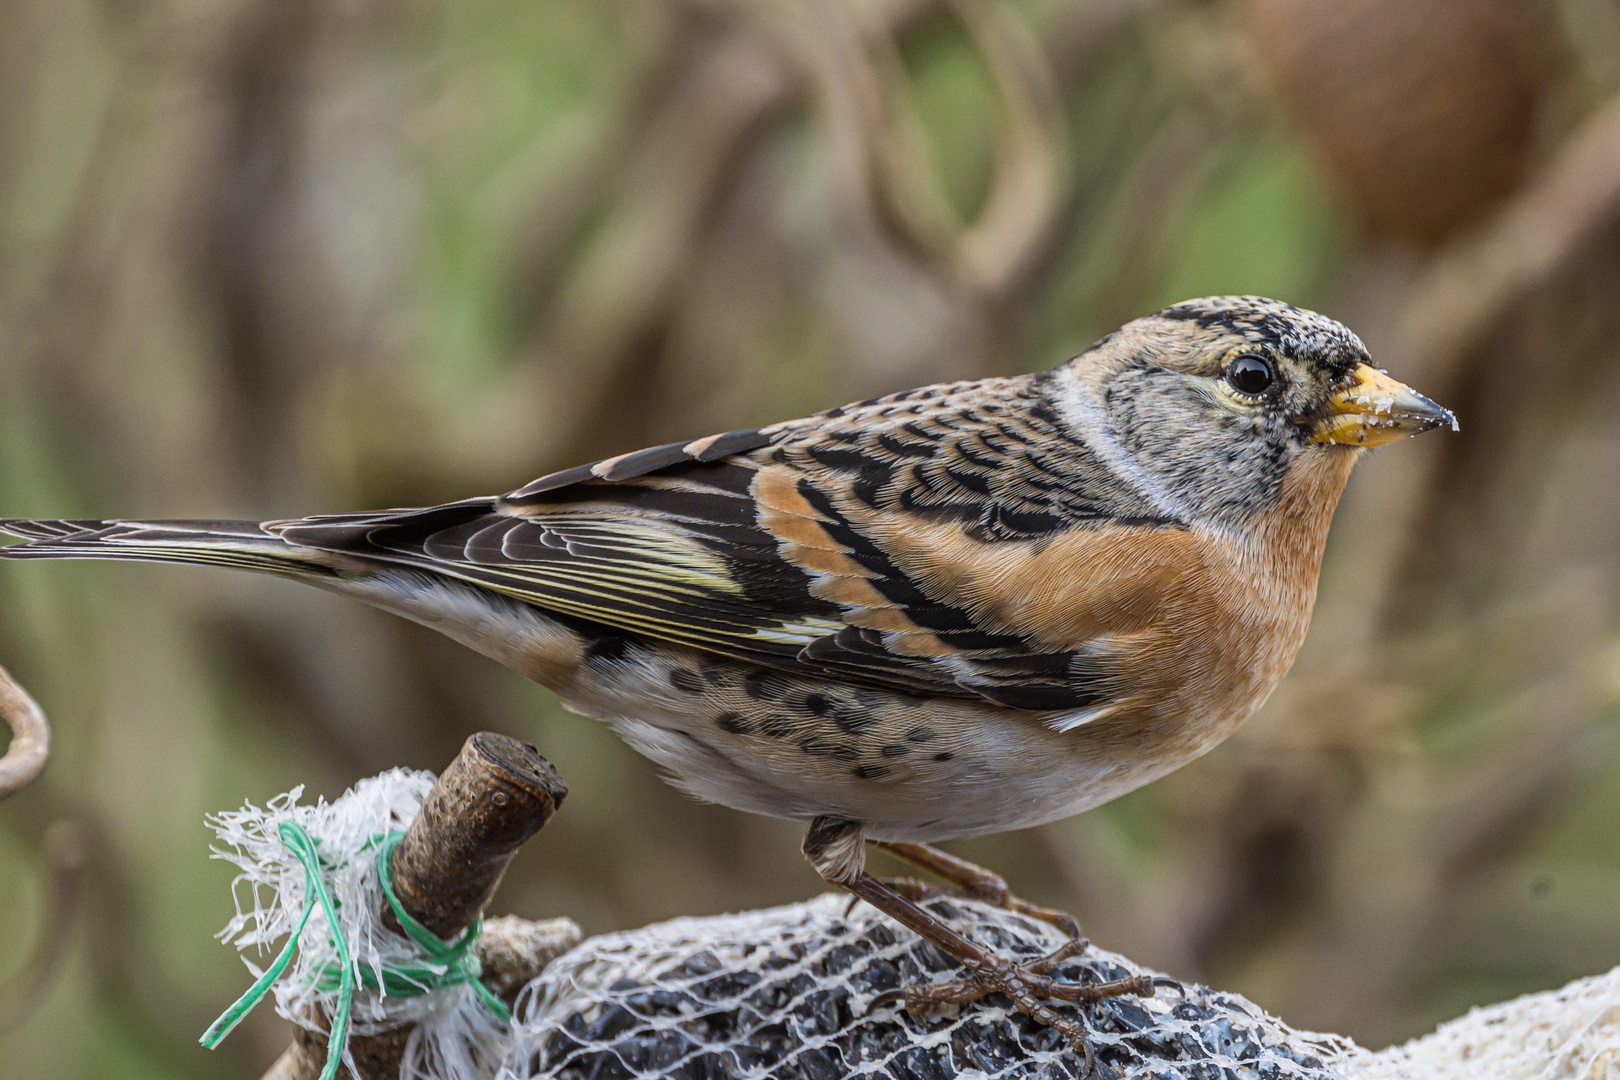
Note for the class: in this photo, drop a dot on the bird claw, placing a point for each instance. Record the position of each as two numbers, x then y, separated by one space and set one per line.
1027 985
884 1000
1169 984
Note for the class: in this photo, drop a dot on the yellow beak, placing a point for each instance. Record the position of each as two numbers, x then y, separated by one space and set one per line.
1375 409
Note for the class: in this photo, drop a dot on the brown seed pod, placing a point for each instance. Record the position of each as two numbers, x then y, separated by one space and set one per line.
1423 110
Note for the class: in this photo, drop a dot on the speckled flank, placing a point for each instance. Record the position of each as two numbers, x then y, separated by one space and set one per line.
791 746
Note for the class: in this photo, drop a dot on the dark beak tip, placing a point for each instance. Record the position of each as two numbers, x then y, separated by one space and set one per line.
1435 415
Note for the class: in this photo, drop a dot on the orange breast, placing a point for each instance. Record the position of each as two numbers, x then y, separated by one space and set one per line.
1200 624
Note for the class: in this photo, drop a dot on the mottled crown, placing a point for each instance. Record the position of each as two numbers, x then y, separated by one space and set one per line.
1279 327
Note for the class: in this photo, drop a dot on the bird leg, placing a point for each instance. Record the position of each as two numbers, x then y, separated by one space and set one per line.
836 848
972 881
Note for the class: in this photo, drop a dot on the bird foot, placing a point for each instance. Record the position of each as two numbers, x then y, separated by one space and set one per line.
1029 987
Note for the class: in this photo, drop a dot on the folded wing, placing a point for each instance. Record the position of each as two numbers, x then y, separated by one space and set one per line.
794 546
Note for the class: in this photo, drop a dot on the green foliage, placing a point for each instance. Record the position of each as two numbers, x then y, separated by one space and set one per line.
1265 226
956 102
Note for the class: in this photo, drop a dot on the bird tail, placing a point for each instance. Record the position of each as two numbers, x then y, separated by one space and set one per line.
244 545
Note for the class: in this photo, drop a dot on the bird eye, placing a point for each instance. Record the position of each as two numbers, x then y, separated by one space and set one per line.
1249 375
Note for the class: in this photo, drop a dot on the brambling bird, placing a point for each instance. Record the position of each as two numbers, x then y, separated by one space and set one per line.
956 610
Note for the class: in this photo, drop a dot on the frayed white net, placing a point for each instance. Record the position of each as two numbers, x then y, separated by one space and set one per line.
455 1036
1567 1034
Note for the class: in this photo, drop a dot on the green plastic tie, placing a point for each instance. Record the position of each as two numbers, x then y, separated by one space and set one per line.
449 963
302 845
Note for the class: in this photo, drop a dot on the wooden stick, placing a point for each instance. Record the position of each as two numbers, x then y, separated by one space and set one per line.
494 796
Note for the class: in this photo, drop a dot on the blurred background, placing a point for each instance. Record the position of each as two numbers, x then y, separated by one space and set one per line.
264 258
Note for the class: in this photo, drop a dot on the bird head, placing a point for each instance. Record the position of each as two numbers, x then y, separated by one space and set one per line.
1211 404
